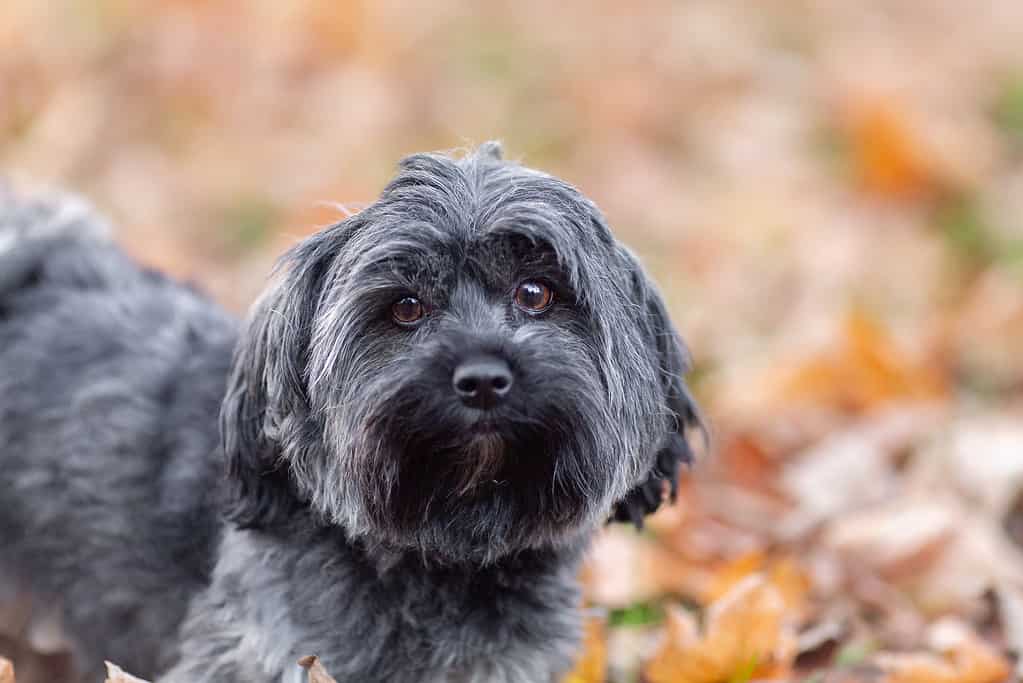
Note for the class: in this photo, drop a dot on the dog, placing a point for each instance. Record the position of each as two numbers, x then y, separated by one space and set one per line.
423 422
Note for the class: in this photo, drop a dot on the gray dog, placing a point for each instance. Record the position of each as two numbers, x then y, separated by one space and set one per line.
426 418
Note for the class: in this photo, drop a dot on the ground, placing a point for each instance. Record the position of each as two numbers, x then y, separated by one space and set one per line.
830 194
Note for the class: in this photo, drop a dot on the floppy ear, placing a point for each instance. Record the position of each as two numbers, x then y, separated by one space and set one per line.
673 358
266 406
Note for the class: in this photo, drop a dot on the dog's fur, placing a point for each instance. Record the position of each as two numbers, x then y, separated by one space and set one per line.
365 515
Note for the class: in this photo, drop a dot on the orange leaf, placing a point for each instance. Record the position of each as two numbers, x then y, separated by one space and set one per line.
791 581
888 156
732 572
864 372
745 634
6 671
334 30
591 667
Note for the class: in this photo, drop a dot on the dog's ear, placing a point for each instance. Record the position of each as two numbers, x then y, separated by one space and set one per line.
673 360
266 404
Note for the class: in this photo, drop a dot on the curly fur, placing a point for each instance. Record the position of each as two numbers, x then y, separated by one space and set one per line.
351 507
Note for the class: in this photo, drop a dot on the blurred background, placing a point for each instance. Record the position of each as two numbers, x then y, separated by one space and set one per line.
830 194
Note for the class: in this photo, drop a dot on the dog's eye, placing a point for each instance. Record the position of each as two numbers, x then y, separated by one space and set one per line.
407 310
534 296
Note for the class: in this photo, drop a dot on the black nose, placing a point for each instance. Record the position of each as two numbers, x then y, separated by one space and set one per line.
482 382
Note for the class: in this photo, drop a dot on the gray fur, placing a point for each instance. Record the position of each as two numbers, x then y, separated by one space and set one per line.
351 507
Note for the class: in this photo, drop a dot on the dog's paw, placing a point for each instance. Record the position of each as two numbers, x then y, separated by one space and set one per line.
646 498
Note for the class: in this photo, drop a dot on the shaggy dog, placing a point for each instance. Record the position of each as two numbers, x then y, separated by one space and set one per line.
424 421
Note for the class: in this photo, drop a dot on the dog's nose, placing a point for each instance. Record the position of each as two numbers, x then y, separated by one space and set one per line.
482 382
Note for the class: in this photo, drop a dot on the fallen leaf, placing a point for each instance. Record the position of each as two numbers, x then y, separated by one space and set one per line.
979 557
116 675
852 457
985 332
864 371
861 459
591 667
746 636
898 539
964 658
625 567
901 151
747 462
887 154
894 620
785 574
317 674
819 644
6 671
1010 611
984 457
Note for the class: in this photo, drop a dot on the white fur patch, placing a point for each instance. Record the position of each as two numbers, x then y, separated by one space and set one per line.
47 215
7 240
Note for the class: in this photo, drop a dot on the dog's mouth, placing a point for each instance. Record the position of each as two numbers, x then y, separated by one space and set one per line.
486 425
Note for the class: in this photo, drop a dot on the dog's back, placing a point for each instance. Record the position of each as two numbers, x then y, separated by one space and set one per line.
110 382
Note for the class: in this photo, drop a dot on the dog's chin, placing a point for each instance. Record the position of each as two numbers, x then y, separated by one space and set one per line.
495 491
482 456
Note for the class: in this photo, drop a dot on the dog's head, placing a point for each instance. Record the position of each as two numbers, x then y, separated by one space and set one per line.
469 367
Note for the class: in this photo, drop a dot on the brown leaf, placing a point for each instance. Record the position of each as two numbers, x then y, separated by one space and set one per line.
746 634
899 539
591 667
317 674
965 658
974 664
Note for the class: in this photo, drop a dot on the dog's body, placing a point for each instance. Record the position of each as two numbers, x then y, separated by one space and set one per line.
400 524
110 382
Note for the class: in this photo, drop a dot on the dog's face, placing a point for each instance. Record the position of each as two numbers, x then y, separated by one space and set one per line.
469 367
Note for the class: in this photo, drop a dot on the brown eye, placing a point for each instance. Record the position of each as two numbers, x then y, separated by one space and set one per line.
534 297
407 310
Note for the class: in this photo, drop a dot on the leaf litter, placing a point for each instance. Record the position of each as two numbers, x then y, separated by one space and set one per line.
829 193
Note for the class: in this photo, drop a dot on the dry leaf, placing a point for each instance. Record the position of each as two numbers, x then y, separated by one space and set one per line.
317 674
747 462
866 371
985 332
6 671
983 456
979 557
1010 612
783 573
625 567
116 675
858 457
899 539
965 659
887 154
591 667
746 634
